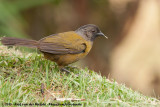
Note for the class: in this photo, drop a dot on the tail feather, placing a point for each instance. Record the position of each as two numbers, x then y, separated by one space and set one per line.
11 41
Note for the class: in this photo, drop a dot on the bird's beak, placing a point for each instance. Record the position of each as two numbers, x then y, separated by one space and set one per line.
101 34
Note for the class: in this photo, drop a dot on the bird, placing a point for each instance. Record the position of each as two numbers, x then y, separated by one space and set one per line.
63 48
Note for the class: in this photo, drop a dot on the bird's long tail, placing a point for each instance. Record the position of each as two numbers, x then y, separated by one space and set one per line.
12 41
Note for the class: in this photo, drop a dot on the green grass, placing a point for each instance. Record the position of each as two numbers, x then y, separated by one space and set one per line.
21 76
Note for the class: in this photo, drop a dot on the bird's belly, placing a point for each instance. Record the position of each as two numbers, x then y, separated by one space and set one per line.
63 60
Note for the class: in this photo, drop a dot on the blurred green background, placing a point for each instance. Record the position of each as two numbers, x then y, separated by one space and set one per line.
131 55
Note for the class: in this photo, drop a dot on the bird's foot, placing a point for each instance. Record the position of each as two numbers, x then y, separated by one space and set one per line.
65 70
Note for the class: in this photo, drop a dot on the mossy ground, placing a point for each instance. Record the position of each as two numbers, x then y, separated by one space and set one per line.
23 77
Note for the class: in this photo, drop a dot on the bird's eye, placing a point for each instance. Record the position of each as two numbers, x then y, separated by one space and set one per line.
93 31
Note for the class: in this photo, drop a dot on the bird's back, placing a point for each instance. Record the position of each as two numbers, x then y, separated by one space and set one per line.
65 48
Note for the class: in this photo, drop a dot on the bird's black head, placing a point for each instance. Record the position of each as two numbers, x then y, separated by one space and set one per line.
89 32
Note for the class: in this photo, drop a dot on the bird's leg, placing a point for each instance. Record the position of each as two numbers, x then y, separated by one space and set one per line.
64 69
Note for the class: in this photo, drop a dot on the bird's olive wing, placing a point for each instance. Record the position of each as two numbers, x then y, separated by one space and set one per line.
61 45
56 48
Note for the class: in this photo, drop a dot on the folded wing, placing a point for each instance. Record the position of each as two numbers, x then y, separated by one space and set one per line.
62 43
